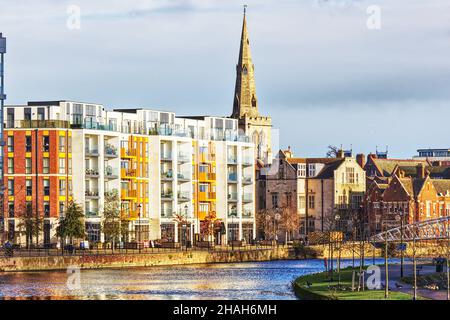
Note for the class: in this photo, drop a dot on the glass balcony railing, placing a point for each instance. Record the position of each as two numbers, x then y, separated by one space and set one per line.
166 213
110 151
232 177
111 173
184 196
232 196
183 176
91 193
91 151
91 214
247 161
167 195
247 197
232 159
166 156
232 213
92 172
168 175
183 157
247 179
247 214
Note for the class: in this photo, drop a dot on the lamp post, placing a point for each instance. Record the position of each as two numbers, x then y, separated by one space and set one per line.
139 227
186 208
386 266
276 220
400 217
337 218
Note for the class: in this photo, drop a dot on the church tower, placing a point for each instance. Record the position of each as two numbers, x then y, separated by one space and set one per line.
245 103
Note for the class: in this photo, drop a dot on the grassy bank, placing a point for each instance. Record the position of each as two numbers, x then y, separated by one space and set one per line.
322 289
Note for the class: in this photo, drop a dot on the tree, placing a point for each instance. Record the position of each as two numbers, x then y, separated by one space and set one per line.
112 222
266 223
332 151
290 221
71 225
29 224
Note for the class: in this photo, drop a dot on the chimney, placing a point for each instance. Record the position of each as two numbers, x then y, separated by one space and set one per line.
420 171
361 159
340 154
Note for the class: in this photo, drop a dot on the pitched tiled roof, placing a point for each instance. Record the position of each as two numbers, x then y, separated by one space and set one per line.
441 185
327 171
386 166
310 160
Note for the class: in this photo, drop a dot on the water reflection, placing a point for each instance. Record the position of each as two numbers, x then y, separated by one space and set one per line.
258 280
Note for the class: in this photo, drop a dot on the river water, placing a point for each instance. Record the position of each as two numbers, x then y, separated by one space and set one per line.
250 280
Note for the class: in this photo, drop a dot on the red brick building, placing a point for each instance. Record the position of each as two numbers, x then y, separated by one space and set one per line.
38 181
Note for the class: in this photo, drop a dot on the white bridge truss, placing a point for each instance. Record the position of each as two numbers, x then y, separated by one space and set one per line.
433 229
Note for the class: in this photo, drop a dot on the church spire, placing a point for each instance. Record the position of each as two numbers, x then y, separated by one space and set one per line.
245 101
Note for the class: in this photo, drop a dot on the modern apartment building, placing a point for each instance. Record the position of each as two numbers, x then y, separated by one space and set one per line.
180 179
2 100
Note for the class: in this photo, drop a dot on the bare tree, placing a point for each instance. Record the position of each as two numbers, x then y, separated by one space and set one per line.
290 222
332 151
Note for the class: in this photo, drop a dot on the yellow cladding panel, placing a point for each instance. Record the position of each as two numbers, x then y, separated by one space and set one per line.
28 198
10 133
11 198
28 154
28 133
10 154
46 198
45 133
62 198
46 154
62 155
62 133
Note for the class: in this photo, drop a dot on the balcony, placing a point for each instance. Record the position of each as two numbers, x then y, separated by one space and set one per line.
35 124
247 180
110 151
166 156
183 157
183 177
91 173
232 160
128 194
247 214
247 161
167 175
206 176
91 194
128 173
91 214
126 153
167 195
91 151
247 197
184 196
111 173
232 213
166 213
232 177
206 196
232 197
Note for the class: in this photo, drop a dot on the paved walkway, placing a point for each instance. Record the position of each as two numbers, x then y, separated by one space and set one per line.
408 271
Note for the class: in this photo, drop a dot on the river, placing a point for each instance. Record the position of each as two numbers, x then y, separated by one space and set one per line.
234 281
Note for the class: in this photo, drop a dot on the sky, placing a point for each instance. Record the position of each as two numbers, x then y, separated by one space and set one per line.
322 74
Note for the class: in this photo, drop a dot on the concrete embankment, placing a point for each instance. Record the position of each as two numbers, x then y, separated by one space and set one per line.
101 261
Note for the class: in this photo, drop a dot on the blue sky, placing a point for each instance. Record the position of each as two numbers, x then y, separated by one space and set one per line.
322 75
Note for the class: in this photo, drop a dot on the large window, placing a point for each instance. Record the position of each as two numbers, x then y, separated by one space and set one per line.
28 144
11 165
301 173
46 209
10 143
62 187
45 165
274 200
28 165
311 201
350 175
46 146
312 170
11 187
62 165
62 144
29 187
301 202
46 187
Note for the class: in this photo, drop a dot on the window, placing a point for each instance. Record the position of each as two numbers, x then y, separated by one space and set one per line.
46 187
28 165
62 187
28 144
301 202
69 144
350 175
10 187
356 201
46 146
10 143
62 165
274 200
62 144
45 165
69 162
301 173
27 113
312 170
11 165
46 209
61 208
29 187
11 209
289 200
311 201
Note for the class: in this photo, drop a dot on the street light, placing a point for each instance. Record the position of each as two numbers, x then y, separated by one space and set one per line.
399 216
139 206
186 208
337 217
276 220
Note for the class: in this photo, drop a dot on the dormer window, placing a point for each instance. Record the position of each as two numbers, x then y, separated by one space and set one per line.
244 70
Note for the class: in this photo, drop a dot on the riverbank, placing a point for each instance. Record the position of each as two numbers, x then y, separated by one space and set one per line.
318 287
102 261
